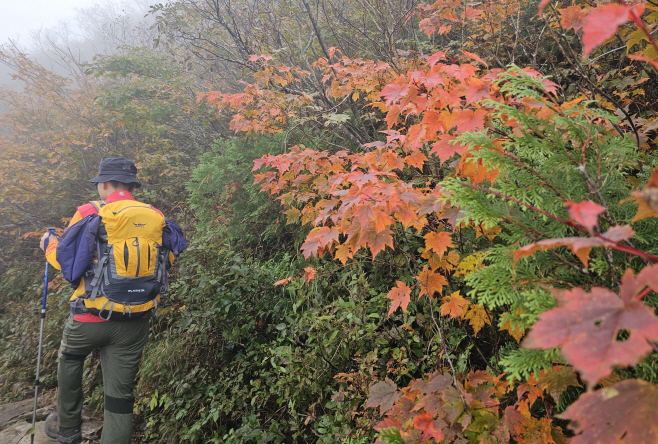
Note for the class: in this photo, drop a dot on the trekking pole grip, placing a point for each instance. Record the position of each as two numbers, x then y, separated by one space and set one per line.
45 283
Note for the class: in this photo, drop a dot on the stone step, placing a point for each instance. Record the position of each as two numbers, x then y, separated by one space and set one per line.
12 412
15 434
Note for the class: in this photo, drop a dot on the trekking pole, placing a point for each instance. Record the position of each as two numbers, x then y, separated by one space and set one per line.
43 319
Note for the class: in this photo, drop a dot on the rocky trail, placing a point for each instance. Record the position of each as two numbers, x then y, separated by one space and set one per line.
16 420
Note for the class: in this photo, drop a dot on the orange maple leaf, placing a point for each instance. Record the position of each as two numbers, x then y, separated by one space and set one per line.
415 137
283 281
477 316
318 238
430 282
376 241
517 331
400 296
416 158
454 305
310 274
469 120
439 242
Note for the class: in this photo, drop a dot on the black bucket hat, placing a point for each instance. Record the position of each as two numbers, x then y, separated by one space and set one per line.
119 169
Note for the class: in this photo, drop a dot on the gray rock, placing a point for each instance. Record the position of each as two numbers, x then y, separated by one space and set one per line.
91 430
41 413
40 436
16 434
12 412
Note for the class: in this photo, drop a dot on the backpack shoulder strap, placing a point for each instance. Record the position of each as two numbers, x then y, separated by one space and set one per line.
98 204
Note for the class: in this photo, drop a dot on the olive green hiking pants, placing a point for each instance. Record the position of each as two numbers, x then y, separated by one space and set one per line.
121 345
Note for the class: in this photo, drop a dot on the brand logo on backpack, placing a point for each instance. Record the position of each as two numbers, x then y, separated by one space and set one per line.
139 225
138 290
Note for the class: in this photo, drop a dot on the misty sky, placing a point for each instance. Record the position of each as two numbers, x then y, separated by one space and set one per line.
18 17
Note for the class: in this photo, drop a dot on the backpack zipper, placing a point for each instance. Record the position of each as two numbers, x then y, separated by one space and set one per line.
136 244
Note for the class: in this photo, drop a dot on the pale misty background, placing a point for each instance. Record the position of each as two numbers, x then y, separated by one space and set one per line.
61 34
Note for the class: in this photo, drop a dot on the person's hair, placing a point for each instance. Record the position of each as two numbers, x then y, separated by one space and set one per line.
122 186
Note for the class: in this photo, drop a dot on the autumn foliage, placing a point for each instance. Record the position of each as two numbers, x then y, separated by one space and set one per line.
374 199
487 168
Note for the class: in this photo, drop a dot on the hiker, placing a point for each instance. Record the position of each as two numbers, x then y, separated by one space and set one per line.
115 253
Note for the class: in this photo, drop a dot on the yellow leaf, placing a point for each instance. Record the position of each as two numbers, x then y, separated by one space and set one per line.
634 38
470 263
477 316
643 208
292 215
516 332
650 52
448 262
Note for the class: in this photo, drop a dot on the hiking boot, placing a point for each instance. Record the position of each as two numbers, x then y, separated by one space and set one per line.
65 435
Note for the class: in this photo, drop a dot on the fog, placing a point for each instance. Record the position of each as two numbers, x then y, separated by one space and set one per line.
100 27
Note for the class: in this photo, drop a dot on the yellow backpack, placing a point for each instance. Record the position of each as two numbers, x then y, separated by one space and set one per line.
130 271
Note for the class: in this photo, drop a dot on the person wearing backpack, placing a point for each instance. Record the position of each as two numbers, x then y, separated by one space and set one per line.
115 253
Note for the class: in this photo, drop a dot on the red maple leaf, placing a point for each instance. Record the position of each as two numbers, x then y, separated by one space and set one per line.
587 326
415 137
475 57
602 23
383 394
476 90
434 58
394 92
580 246
426 424
400 296
317 238
445 150
469 120
585 213
625 412
460 72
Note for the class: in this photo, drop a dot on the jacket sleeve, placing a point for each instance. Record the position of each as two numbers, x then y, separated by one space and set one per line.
173 239
52 246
